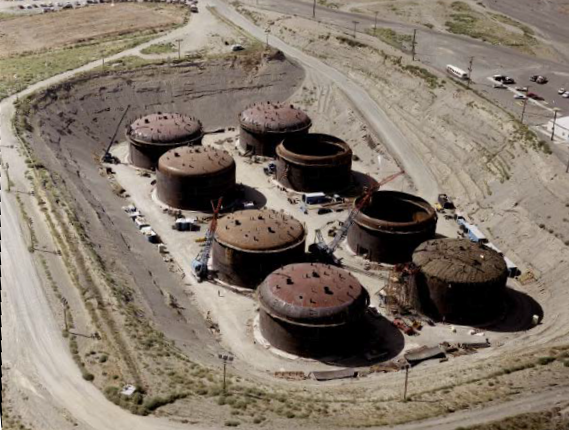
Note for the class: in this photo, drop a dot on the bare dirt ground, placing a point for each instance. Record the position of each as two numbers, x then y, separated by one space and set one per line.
55 30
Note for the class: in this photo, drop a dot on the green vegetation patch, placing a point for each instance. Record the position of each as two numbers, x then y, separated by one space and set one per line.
489 28
430 78
391 37
160 48
20 71
548 420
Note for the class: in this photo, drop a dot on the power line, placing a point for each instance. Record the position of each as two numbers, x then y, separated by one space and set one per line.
470 72
413 44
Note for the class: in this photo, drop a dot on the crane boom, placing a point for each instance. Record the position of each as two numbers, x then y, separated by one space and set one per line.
326 251
199 265
106 156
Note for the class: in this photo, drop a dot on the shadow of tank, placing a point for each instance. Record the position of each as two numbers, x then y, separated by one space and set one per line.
518 314
250 244
153 135
193 177
314 162
460 281
312 309
391 226
264 125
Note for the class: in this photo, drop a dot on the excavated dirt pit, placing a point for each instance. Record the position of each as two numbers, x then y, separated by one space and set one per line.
73 123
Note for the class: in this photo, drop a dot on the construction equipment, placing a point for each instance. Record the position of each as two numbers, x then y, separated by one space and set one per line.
199 265
325 252
107 157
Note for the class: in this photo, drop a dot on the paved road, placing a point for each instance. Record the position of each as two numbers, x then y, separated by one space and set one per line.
31 339
438 49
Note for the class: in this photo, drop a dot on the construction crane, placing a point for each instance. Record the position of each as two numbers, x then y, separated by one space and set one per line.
199 265
325 252
107 157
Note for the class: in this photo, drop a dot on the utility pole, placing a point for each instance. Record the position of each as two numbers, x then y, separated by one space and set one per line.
413 44
524 108
314 10
179 41
406 382
103 59
555 110
470 72
375 23
355 25
225 358
64 303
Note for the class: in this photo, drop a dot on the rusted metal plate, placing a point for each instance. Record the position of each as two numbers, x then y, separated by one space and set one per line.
274 118
260 230
165 128
331 375
313 294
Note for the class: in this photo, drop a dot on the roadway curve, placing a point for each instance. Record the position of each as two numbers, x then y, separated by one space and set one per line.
37 356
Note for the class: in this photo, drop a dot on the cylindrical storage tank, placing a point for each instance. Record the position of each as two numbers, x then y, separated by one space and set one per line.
391 226
265 125
460 281
153 135
190 177
314 162
312 309
251 244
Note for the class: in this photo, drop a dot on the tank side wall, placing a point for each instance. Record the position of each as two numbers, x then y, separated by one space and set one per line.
248 269
309 341
388 247
264 144
314 178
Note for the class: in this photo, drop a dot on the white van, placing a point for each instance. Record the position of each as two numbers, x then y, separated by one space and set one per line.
456 72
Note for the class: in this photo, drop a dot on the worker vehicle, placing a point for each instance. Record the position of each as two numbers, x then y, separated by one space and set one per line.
499 78
445 202
237 47
456 72
522 89
561 91
539 79
199 265
520 97
565 95
499 86
194 9
508 81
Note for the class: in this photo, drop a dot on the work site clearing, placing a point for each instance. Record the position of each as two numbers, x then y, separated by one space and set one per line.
426 289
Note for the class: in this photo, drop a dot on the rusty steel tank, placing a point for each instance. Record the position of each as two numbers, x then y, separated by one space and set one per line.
314 162
153 135
312 309
460 281
250 244
391 226
190 177
265 125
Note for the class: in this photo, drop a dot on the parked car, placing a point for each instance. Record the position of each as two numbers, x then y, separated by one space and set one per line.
498 78
522 89
237 47
507 80
565 95
534 96
520 97
500 85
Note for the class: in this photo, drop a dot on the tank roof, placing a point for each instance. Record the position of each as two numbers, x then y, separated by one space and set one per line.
314 147
259 230
395 210
165 128
195 161
274 118
313 293
459 261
